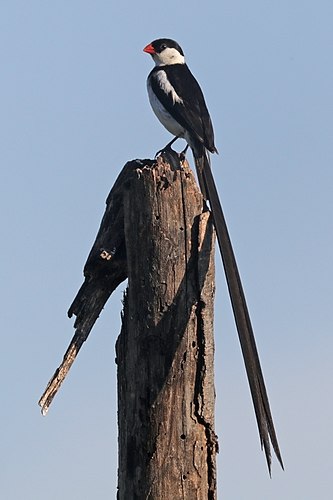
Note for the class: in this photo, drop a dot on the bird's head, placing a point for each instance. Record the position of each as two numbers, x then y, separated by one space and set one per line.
165 51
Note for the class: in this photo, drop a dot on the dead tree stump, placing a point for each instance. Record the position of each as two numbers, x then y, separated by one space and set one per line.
167 444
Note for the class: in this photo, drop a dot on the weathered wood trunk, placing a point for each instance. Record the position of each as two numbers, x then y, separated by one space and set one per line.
167 444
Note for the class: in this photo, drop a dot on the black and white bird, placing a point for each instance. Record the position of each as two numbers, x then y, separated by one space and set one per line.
179 104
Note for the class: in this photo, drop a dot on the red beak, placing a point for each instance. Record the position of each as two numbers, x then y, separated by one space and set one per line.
149 49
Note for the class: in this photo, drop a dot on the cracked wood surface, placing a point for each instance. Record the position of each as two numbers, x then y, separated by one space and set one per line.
165 352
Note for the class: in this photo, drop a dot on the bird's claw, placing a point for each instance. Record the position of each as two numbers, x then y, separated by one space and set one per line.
170 156
167 149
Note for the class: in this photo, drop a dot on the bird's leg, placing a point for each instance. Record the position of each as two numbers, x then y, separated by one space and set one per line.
182 154
167 147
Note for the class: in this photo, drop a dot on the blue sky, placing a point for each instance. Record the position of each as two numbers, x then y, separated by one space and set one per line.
74 109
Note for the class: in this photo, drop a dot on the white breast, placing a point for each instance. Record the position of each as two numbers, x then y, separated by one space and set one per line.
162 114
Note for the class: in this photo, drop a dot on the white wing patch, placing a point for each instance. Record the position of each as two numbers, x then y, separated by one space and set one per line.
165 85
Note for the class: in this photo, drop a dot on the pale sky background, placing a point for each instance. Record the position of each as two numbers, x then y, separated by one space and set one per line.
74 109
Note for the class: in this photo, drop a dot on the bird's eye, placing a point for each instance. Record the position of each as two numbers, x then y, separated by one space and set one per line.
163 46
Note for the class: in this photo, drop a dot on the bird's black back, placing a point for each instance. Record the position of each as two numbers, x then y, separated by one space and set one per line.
192 114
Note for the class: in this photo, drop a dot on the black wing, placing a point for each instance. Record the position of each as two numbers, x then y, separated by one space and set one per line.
192 112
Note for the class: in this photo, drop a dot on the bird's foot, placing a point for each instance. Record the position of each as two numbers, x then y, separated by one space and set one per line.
167 148
171 157
182 154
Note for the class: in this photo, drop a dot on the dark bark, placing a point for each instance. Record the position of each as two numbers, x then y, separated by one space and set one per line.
167 444
155 231
104 270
